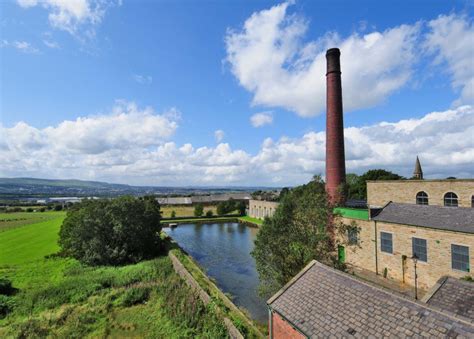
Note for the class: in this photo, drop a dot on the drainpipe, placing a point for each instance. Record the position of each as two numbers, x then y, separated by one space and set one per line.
270 320
376 246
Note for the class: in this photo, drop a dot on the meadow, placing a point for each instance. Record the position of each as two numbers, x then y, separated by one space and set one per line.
59 297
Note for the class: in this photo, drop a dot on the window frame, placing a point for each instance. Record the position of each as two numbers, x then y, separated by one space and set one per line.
468 258
425 197
352 236
451 199
382 242
423 257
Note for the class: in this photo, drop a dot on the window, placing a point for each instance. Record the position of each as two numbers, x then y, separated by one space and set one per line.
419 248
386 244
422 198
460 258
353 236
451 199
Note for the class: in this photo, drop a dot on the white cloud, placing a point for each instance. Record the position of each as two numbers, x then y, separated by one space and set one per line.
133 145
143 79
219 135
22 46
51 44
270 59
261 119
71 15
451 38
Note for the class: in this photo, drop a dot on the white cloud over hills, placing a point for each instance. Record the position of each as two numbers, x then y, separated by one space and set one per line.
270 58
133 145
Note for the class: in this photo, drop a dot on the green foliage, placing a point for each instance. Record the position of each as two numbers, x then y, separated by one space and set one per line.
135 295
241 207
294 235
29 210
226 207
58 207
173 214
356 186
209 213
6 305
112 232
198 210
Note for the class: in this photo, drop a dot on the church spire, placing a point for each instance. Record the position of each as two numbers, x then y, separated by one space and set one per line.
418 173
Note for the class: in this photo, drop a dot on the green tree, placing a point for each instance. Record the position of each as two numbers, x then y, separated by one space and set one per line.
198 210
112 232
173 214
296 234
222 208
209 213
241 207
356 186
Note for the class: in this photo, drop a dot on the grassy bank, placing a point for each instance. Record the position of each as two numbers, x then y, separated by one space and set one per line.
60 297
251 220
239 317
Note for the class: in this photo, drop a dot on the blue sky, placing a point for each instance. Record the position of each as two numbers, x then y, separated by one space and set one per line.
163 92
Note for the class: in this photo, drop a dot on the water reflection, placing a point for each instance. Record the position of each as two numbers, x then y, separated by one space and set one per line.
223 250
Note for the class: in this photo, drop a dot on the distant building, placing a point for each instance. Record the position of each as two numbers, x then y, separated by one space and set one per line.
204 199
260 209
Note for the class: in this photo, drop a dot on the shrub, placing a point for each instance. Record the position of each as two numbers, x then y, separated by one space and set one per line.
29 210
58 208
6 287
173 214
6 306
209 214
135 295
198 210
112 232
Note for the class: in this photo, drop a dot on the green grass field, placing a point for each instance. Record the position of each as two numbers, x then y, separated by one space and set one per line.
60 297
13 220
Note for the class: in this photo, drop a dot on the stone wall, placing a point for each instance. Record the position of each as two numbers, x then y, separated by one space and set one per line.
260 209
282 329
438 249
404 191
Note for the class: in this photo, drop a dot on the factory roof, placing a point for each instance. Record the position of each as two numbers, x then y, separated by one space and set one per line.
321 300
458 219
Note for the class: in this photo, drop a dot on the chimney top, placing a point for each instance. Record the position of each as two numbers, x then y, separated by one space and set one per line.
333 61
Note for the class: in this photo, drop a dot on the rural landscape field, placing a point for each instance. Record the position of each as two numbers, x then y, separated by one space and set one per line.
55 296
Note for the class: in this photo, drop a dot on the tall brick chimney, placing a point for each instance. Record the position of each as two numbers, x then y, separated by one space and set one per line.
335 159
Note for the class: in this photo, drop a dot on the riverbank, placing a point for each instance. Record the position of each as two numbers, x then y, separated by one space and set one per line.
252 222
227 308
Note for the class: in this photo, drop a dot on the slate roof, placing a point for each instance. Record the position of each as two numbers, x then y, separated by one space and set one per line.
454 295
320 301
458 219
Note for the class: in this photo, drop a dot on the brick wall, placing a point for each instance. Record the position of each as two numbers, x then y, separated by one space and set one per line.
282 329
438 250
260 209
404 191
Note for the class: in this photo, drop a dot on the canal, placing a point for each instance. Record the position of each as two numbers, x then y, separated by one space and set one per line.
223 250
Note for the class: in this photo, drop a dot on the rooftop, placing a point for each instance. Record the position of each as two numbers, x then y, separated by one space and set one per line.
321 300
454 295
353 213
457 219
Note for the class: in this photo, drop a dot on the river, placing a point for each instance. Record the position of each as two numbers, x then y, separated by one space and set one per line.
223 250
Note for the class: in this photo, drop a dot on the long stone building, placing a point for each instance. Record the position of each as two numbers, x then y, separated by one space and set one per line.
260 209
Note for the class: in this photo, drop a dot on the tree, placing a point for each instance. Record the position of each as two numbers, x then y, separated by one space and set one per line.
222 208
112 232
356 186
173 214
58 207
296 234
209 213
198 210
241 207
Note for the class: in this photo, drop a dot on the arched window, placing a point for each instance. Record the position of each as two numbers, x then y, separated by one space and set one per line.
451 199
422 198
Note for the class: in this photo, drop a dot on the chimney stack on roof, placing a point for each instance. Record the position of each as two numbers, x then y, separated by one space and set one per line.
335 158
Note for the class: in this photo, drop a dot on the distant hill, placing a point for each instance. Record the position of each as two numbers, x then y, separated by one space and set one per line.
13 188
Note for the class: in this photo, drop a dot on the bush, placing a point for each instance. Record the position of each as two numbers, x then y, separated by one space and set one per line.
6 287
135 295
58 208
6 306
198 210
29 210
209 214
112 232
173 214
